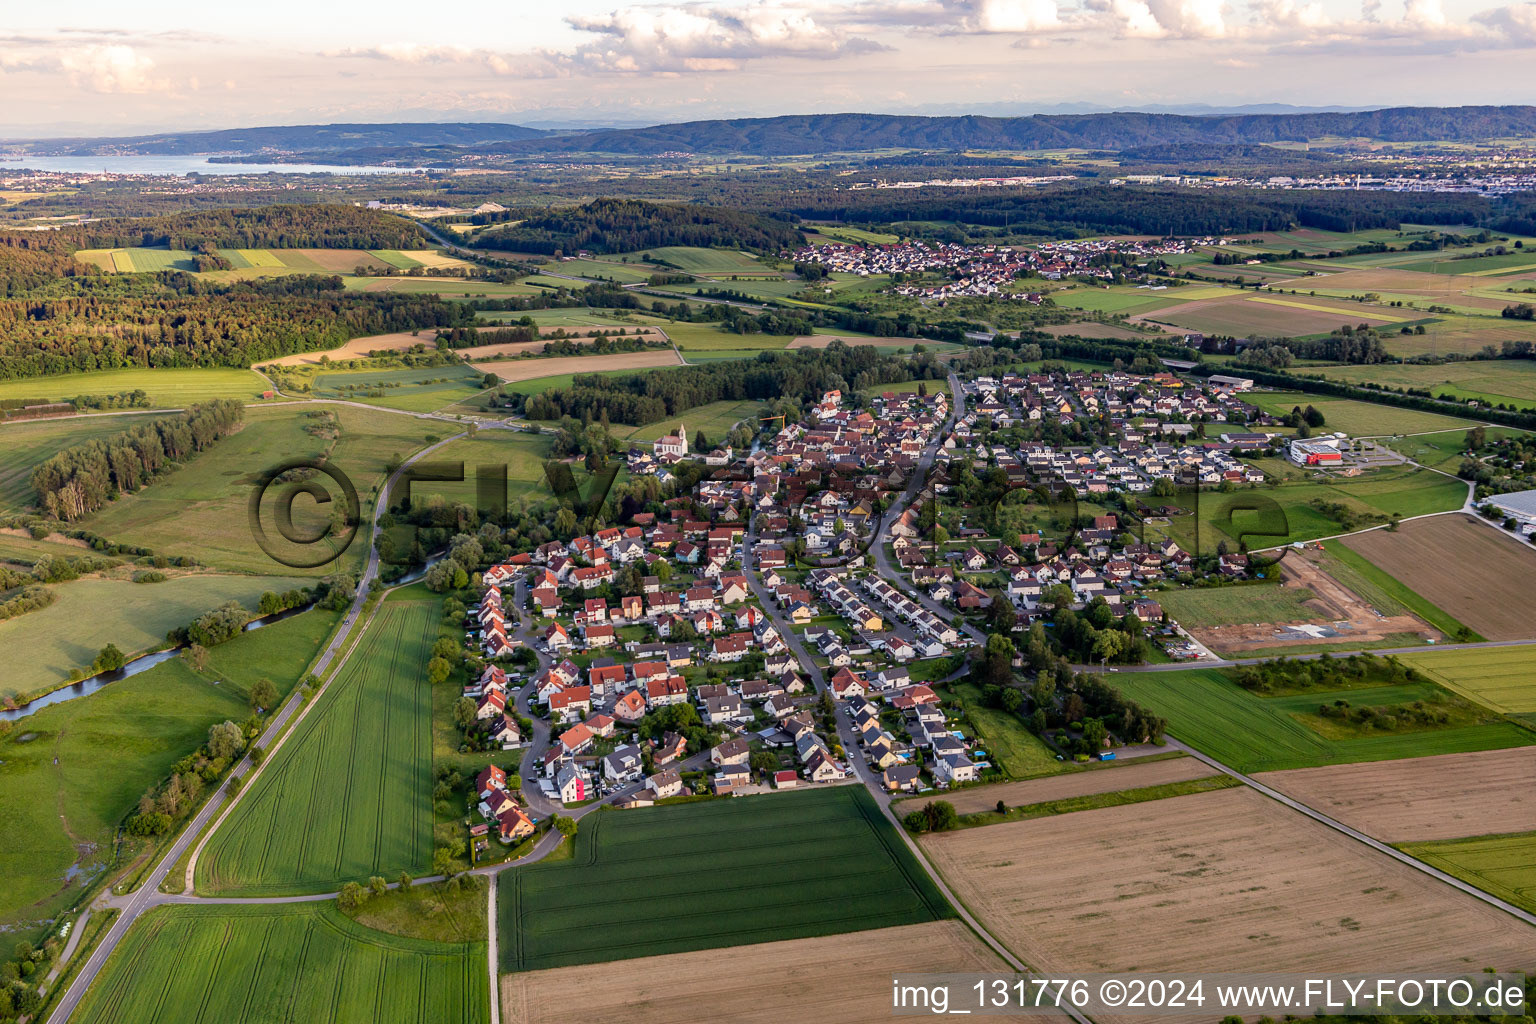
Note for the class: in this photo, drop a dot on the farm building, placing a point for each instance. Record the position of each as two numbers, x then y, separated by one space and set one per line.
1517 505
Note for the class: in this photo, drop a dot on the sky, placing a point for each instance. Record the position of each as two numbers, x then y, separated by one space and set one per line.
94 67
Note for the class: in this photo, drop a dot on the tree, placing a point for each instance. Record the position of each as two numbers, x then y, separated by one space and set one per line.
405 880
197 657
997 660
225 740
1094 733
464 711
565 826
351 897
1044 691
1109 644
109 660
377 886
264 695
438 670
941 816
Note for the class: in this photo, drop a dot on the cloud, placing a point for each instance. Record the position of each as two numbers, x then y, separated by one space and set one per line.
1516 23
707 37
115 68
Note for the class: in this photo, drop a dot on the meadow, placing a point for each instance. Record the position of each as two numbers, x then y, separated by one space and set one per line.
26 443
691 337
61 809
1357 419
413 389
349 794
714 421
719 873
166 388
1009 745
1502 678
704 262
290 962
46 645
1504 865
522 454
1443 450
201 508
1204 607
1253 734
536 385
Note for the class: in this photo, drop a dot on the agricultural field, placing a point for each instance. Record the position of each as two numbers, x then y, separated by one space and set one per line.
822 233
713 421
1112 778
45 646
1127 301
200 509
61 810
513 370
1192 883
1205 607
26 443
1479 266
1471 570
719 873
1254 734
1421 798
842 978
262 262
691 337
1358 419
535 385
705 262
166 388
1385 595
296 961
1490 381
447 287
1242 316
349 795
413 389
1502 865
1501 678
611 270
359 348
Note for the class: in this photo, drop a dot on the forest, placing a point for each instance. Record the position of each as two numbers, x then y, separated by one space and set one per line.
626 225
81 478
286 226
804 374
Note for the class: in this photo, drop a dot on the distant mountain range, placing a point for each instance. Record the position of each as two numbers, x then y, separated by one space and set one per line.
818 133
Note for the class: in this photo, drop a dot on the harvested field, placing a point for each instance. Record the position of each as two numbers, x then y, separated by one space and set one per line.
844 978
1215 881
1339 612
1474 572
1421 798
358 348
1126 775
529 369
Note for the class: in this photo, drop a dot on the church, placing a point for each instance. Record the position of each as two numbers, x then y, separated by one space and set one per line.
674 446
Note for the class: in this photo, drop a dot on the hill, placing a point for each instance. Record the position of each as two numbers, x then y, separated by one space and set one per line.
288 139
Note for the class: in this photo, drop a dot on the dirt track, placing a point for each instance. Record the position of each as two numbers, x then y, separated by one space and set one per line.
1333 603
1420 798
841 978
1472 571
1218 881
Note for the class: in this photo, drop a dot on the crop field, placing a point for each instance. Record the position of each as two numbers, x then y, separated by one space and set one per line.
1193 883
27 443
1113 777
1255 314
1421 798
1502 678
140 260
535 385
850 235
706 262
840 978
713 421
358 348
1204 607
1503 865
1492 381
349 795
1478 266
46 645
720 873
1135 301
61 810
532 369
165 387
1471 570
414 389
289 962
200 509
1253 734
1358 419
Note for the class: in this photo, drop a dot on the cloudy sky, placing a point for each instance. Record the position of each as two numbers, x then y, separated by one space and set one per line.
94 66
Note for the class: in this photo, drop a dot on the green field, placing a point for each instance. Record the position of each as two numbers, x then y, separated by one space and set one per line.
1485 380
697 260
538 385
1357 419
283 962
1502 678
166 388
1504 865
414 389
349 795
855 236
200 509
1010 746
25 444
613 269
1477 266
705 337
46 645
714 421
719 873
1444 450
522 454
1258 734
60 807
1205 607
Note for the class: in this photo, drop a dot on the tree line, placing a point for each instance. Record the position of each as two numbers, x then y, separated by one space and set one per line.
284 226
626 225
81 478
